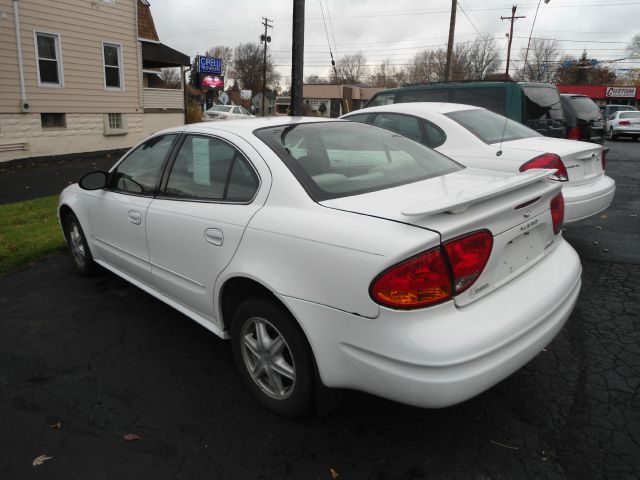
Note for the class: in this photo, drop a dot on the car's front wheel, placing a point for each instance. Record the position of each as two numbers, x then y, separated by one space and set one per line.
80 253
273 357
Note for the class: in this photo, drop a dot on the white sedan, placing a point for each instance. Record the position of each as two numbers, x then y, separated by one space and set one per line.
625 123
226 112
334 254
479 138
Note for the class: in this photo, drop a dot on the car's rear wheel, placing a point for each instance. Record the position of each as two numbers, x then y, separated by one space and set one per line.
80 253
273 357
611 135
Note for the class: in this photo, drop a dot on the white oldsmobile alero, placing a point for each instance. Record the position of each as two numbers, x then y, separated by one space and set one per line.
335 254
480 138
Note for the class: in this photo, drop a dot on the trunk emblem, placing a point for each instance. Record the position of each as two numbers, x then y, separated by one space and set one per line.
528 213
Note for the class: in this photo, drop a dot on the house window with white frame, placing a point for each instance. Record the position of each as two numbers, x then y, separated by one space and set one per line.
112 55
48 59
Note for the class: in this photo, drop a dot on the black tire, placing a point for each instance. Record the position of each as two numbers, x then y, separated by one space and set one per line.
612 137
78 246
278 369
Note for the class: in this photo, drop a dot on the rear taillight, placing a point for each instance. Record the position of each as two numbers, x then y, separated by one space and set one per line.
624 123
548 160
436 275
574 133
557 212
468 256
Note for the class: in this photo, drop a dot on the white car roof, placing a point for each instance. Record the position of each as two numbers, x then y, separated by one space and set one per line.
419 107
246 126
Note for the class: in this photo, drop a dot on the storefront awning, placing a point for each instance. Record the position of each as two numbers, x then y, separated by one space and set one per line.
158 55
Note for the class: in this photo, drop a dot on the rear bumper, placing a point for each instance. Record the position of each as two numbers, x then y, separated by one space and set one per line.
626 130
443 355
583 201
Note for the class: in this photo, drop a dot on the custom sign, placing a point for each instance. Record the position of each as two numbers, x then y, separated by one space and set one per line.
212 81
209 65
245 94
625 92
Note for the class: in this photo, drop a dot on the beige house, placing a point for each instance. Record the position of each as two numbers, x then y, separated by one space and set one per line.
334 96
81 76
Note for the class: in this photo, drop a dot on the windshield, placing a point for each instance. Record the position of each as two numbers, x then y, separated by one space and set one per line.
491 127
339 159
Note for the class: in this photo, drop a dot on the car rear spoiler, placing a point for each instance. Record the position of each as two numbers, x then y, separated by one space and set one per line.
466 198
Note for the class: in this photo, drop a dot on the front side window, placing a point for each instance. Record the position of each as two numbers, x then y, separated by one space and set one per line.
340 159
491 127
210 169
139 173
112 54
48 59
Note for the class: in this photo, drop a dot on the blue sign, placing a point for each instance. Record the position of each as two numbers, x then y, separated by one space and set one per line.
210 65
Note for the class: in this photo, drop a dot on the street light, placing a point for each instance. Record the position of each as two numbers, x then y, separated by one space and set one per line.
526 55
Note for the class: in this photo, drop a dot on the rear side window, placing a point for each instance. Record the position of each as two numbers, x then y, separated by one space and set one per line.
382 99
490 98
491 127
210 169
424 95
435 135
542 105
340 159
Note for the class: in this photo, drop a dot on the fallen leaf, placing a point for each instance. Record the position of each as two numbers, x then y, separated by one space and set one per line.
131 437
598 227
57 425
40 460
604 216
596 243
333 473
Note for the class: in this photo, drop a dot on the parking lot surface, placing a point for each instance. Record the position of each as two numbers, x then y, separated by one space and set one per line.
111 383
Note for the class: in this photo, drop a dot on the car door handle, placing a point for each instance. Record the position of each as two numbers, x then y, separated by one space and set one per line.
214 236
134 217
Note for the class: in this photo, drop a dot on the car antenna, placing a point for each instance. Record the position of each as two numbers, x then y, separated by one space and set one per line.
504 129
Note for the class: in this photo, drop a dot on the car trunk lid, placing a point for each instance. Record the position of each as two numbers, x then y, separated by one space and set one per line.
514 208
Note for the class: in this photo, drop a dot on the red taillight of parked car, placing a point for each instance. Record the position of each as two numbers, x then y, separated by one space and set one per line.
468 256
624 123
557 212
548 160
574 133
435 275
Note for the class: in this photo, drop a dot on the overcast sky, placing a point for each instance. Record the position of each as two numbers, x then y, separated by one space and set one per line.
396 29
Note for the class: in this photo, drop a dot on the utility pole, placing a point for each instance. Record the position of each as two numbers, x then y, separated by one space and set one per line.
297 58
266 39
452 28
512 18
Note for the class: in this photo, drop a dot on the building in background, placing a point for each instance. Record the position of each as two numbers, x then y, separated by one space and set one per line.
81 76
337 98
606 95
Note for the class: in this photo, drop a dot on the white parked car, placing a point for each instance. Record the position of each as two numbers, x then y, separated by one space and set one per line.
226 112
335 254
479 138
625 123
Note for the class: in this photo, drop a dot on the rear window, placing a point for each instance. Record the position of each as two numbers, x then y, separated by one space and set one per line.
340 159
542 106
491 127
629 115
585 108
382 99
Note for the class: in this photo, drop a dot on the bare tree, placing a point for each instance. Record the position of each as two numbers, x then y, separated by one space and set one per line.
483 58
247 67
224 53
385 75
634 46
542 60
315 80
351 69
421 68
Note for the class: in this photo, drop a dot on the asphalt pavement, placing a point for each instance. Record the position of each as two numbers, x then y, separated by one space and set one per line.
110 383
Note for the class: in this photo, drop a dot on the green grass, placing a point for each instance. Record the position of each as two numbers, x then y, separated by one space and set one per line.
28 231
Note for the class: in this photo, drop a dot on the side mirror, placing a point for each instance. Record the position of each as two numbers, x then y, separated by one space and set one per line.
93 180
